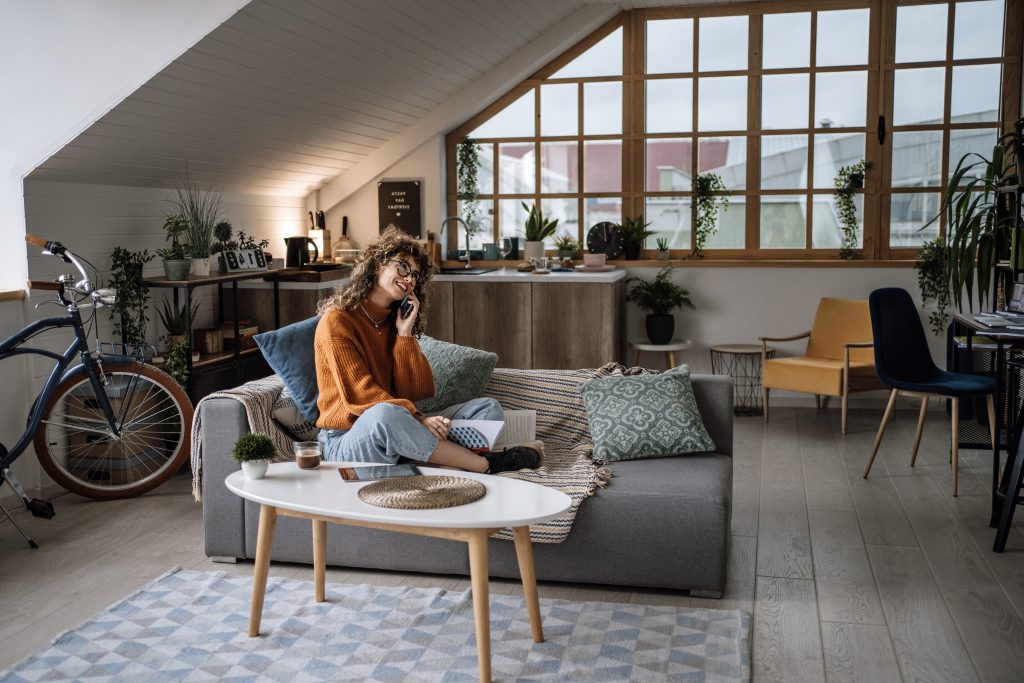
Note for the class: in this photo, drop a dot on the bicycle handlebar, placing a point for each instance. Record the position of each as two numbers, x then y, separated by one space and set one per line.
38 241
83 286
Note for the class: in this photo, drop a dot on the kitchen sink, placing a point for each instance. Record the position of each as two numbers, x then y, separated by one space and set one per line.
464 271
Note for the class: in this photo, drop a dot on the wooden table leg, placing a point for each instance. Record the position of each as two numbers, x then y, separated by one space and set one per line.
478 574
639 355
264 540
524 553
670 359
319 558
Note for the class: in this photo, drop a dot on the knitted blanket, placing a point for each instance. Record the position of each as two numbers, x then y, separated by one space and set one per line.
561 424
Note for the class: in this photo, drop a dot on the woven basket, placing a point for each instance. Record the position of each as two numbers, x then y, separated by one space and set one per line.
422 492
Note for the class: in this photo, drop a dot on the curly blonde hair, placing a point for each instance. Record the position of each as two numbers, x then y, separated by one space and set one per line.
391 243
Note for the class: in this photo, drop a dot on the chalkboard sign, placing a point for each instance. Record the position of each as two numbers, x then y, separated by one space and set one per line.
399 205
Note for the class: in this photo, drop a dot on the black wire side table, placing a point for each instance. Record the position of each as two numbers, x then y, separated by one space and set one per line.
743 363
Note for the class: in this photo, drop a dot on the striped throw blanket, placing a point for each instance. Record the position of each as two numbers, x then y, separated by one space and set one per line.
561 425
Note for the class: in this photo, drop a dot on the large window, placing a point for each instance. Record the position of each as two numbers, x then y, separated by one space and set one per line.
774 103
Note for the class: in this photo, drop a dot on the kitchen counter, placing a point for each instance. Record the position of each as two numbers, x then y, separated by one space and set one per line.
514 276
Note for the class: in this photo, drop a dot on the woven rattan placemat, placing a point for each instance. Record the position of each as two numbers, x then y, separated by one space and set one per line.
422 492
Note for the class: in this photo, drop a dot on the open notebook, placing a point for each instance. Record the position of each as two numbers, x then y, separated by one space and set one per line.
520 426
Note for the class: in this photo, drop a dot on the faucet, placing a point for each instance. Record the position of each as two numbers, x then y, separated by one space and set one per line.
464 225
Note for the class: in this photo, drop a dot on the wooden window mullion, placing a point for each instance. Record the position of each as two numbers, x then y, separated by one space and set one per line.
752 218
811 113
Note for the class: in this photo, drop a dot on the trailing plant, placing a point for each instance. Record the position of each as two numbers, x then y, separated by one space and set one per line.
129 309
634 230
253 446
176 359
200 210
566 242
933 280
662 244
467 171
709 195
848 180
660 295
173 319
537 228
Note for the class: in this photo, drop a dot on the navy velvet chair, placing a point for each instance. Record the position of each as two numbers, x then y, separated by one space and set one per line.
904 364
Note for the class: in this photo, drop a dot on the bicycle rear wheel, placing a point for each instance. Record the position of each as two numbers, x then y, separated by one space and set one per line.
75 445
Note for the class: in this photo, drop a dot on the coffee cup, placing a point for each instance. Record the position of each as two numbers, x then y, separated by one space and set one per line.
307 454
594 260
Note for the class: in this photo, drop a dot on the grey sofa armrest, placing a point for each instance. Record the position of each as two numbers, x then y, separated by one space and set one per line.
223 421
714 400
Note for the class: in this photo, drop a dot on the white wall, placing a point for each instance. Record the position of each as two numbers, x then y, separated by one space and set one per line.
65 64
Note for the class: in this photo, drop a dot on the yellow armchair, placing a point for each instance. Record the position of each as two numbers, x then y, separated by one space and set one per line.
839 357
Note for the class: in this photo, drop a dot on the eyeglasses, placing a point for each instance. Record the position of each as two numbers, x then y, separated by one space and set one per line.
404 270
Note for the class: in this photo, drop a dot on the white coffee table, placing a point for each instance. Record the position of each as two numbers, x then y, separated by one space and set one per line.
321 496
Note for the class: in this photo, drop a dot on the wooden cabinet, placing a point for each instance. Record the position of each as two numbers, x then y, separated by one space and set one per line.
556 325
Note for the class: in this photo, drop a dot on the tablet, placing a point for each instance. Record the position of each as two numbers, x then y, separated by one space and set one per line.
378 472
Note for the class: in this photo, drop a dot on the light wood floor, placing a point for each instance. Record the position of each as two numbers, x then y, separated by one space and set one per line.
878 580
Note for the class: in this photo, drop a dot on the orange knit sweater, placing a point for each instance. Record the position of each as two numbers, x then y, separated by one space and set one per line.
358 366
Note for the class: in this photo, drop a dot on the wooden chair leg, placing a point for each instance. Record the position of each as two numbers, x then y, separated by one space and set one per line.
817 401
842 411
881 431
955 439
920 429
764 403
990 399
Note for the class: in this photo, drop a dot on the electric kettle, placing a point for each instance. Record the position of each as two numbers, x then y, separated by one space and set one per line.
297 254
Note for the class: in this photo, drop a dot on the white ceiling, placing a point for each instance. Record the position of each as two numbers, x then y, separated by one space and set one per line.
287 94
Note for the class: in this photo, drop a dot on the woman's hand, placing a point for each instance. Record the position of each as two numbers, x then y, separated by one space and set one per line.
436 425
405 325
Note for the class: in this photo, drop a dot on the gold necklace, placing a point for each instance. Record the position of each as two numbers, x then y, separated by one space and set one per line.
376 323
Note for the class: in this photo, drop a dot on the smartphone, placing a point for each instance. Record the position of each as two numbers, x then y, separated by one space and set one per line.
404 307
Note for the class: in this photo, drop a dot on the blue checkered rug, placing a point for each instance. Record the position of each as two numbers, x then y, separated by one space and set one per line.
191 626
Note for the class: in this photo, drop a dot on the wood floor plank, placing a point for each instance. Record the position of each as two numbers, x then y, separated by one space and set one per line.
824 474
855 653
746 475
842 571
783 537
787 644
926 641
740 577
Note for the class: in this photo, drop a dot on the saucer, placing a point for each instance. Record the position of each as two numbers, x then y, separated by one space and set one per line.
594 269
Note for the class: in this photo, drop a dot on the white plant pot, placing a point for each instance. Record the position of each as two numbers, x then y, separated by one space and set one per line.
201 266
255 469
661 255
533 250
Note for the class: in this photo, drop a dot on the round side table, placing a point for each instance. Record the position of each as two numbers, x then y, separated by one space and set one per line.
743 363
669 349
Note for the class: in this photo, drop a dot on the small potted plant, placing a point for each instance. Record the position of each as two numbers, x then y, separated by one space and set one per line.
254 452
537 229
173 319
176 262
222 233
659 298
567 247
634 232
199 209
662 252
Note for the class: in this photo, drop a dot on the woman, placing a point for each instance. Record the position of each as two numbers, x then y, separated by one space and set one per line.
370 369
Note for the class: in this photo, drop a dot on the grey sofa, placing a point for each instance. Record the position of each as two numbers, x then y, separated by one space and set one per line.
660 523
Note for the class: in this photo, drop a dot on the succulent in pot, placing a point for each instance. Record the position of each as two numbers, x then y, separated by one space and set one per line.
662 252
634 232
175 259
254 453
537 228
567 246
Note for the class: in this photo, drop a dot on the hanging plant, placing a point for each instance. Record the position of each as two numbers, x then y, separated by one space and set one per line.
848 181
933 280
129 309
467 169
709 195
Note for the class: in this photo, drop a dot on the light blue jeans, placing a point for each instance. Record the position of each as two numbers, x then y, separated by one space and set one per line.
386 432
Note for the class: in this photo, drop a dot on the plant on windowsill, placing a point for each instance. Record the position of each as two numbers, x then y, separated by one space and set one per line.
176 262
710 195
662 252
200 210
848 180
567 246
254 453
659 298
129 309
634 232
467 169
537 228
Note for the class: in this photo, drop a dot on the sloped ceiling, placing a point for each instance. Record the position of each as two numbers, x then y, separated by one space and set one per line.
288 94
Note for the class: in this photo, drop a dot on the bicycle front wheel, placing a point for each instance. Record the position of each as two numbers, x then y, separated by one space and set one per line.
75 445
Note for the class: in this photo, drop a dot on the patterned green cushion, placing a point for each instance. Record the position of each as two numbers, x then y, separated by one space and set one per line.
644 416
460 373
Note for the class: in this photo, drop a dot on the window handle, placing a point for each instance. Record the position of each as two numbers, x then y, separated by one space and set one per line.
881 129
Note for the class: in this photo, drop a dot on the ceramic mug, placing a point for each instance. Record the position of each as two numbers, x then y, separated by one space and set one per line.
490 252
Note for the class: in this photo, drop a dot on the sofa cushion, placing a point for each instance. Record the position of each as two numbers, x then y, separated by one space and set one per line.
644 416
460 373
289 418
289 352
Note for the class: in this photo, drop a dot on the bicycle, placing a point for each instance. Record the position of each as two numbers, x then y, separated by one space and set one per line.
110 427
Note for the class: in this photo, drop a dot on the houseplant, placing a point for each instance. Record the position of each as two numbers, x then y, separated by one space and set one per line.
848 180
222 233
567 246
467 168
129 309
659 297
176 360
537 229
634 232
710 195
200 210
173 319
254 452
662 252
176 262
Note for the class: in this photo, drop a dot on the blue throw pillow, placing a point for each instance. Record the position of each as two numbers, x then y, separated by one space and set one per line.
289 352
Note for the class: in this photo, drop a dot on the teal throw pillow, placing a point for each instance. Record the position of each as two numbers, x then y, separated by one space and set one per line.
289 353
460 373
644 416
